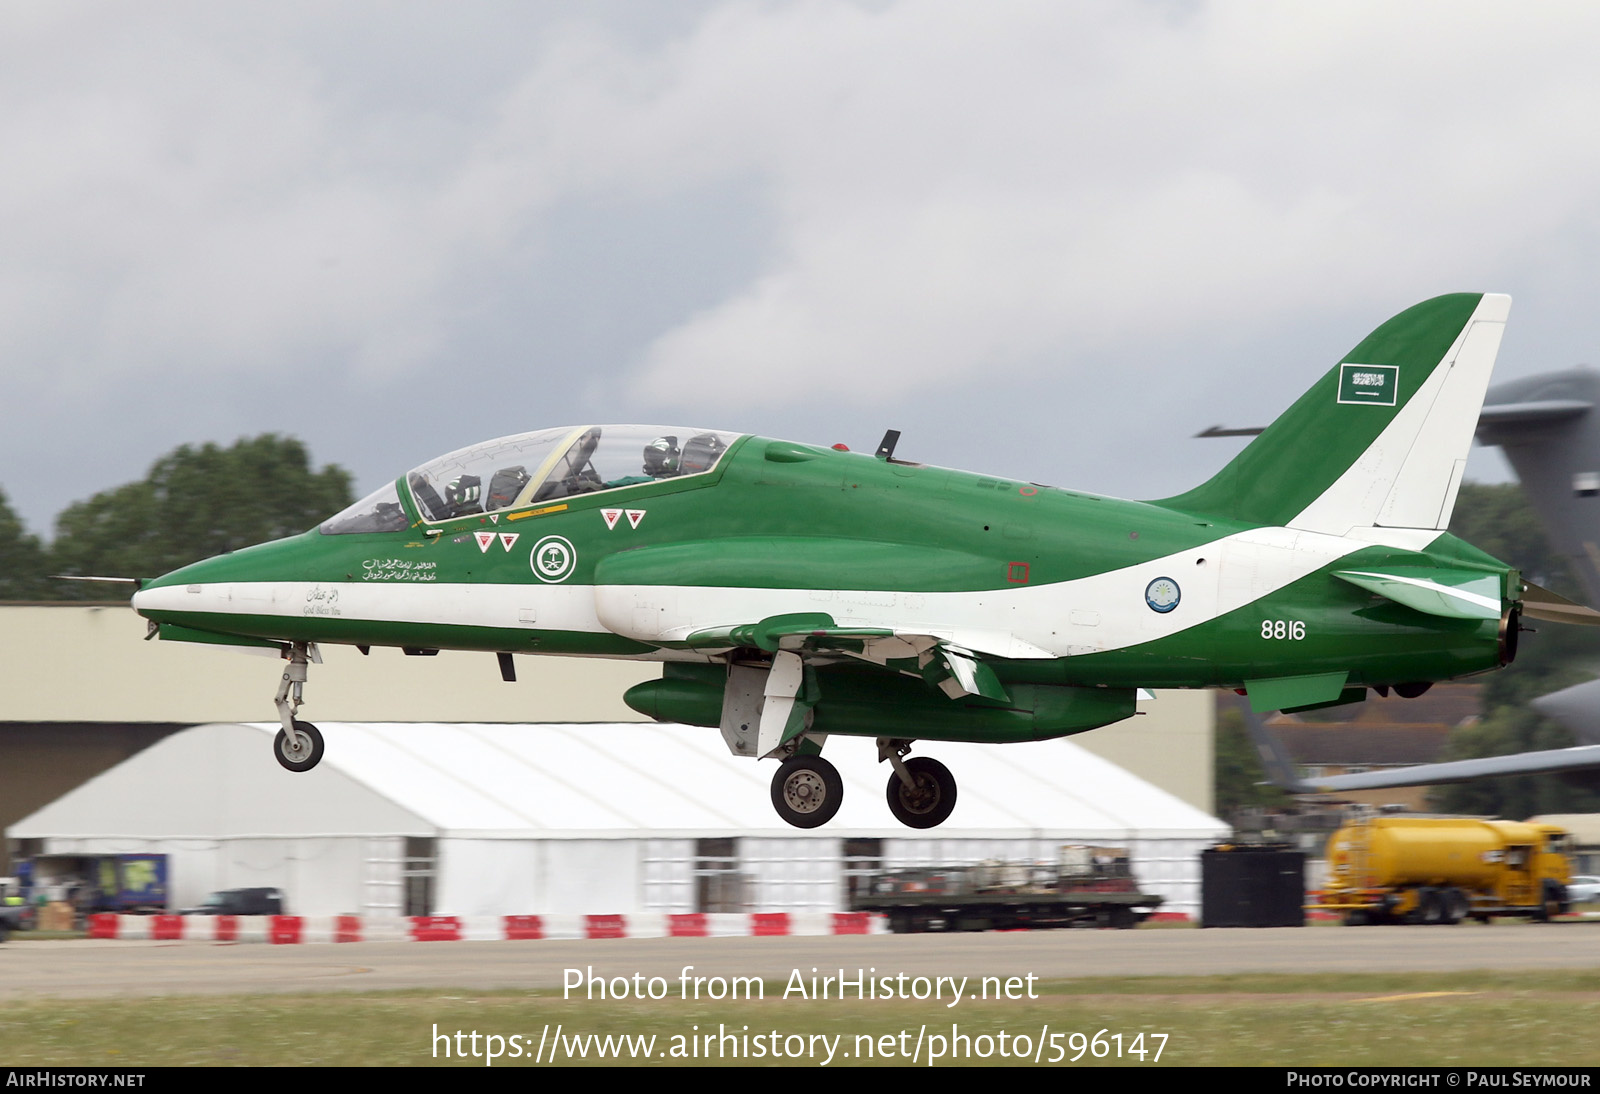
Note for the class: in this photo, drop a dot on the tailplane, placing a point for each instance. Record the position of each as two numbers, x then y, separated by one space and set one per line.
1381 439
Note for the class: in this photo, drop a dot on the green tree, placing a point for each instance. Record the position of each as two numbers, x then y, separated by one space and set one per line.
1240 779
195 503
22 559
1498 519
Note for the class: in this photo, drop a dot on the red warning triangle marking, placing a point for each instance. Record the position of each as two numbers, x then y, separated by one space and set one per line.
508 538
611 516
484 539
494 518
635 516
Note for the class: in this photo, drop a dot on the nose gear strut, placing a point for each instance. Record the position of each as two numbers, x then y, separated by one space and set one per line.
298 745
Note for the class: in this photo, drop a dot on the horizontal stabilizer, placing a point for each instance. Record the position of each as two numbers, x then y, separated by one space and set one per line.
1538 412
1451 594
1541 603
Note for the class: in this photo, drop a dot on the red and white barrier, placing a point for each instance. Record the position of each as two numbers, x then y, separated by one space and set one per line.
293 929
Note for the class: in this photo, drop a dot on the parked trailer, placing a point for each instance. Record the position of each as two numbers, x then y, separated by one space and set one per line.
1445 869
1088 887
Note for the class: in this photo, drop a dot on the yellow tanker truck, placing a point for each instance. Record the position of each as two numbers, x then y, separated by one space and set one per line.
1444 869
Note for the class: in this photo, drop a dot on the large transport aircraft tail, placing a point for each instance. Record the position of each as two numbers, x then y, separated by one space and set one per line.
1381 439
1548 429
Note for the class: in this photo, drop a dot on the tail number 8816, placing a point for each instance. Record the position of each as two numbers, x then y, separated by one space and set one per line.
1292 629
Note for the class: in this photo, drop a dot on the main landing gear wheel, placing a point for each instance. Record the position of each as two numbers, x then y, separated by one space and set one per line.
930 802
304 752
807 791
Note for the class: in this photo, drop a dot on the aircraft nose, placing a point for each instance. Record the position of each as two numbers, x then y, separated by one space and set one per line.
175 591
156 597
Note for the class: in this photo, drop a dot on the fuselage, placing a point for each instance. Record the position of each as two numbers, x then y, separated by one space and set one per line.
1048 585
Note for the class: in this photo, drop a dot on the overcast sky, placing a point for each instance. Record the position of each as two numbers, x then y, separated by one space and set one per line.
1048 240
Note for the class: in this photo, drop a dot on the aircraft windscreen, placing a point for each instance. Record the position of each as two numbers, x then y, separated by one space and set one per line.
557 463
379 511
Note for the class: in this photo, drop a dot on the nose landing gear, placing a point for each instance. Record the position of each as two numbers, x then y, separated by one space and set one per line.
298 745
303 752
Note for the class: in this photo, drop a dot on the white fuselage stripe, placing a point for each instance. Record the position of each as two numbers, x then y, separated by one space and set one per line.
1092 614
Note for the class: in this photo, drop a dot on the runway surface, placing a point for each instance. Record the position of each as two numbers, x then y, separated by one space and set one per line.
87 969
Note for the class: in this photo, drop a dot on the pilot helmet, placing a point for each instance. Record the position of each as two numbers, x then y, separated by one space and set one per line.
463 490
661 457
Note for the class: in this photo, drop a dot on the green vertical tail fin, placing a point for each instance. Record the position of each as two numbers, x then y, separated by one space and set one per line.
1381 439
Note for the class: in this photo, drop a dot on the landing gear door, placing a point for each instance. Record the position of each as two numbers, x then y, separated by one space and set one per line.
742 701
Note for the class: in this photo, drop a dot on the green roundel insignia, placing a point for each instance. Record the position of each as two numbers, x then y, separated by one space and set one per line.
553 559
1162 594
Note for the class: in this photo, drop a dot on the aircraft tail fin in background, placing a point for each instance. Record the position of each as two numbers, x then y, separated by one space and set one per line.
1548 429
1382 439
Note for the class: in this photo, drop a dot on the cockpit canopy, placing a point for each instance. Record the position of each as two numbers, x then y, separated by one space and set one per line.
532 468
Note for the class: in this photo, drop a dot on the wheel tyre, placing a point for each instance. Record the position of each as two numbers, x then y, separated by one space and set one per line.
807 791
299 760
1457 906
1430 907
930 803
1356 917
1552 901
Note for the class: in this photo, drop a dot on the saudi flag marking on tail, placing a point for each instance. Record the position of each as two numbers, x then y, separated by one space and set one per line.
1375 385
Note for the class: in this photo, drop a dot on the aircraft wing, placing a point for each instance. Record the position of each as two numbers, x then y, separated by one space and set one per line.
1459 771
956 668
1280 768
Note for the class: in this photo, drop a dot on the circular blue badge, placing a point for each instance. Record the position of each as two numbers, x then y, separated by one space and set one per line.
1162 594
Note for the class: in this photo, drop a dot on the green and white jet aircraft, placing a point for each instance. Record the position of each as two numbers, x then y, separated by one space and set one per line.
796 592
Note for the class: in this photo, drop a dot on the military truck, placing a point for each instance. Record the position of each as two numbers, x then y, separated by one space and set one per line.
1087 886
1444 870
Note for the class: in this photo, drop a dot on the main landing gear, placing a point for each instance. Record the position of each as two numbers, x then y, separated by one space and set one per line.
807 790
298 745
921 791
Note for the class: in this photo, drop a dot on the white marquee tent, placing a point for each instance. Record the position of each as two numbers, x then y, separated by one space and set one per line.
588 818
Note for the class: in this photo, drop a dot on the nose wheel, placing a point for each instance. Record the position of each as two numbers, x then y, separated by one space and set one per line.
807 791
929 797
298 745
303 751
